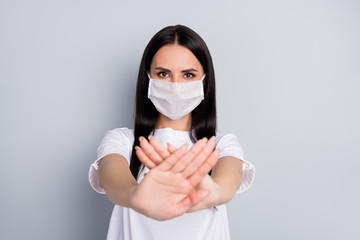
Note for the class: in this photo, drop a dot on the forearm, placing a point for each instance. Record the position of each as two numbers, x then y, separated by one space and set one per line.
117 180
227 175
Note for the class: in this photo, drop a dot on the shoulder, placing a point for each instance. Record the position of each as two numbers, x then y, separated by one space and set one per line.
229 145
227 138
119 134
118 140
117 137
124 132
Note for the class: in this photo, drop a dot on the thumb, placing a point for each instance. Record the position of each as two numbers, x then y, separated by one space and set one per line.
192 199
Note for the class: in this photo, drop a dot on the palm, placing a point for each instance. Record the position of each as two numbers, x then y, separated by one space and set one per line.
164 195
210 186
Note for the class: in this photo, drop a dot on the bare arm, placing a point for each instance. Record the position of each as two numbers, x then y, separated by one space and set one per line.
116 179
227 174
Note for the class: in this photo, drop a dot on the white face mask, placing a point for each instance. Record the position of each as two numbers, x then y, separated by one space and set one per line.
175 99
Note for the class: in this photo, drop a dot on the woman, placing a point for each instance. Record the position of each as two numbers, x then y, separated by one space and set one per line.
174 183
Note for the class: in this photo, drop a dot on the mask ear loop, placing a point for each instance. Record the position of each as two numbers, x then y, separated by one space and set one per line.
148 75
203 79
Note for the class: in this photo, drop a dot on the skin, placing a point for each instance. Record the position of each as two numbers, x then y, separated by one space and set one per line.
178 179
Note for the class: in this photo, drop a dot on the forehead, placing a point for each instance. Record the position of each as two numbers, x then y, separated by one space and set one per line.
175 57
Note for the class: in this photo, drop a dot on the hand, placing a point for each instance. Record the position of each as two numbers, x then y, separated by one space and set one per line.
168 190
152 153
208 184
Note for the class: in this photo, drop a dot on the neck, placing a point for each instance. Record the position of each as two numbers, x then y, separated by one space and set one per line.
182 124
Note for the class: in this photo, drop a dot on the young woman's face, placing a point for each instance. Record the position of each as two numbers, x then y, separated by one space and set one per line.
175 63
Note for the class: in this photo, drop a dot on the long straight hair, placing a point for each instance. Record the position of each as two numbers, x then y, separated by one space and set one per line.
203 123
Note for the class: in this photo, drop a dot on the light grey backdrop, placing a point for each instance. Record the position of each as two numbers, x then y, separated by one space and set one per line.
288 82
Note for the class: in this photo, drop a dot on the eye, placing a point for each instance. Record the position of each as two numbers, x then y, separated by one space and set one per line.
189 75
162 74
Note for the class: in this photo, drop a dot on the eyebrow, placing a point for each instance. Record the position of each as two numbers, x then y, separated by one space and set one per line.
162 69
190 70
184 71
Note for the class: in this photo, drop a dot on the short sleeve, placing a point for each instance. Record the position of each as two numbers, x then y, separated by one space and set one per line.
118 140
229 146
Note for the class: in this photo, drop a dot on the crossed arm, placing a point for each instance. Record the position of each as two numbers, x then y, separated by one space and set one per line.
177 181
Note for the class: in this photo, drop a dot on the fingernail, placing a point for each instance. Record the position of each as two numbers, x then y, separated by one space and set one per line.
141 138
213 138
136 148
205 139
150 137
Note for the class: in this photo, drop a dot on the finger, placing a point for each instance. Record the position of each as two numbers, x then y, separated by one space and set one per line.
143 158
171 148
189 156
205 168
173 158
150 151
159 148
194 165
191 200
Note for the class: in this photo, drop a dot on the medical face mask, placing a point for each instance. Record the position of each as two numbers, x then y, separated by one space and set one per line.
175 99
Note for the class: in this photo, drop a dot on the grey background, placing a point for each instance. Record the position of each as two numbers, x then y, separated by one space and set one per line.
288 81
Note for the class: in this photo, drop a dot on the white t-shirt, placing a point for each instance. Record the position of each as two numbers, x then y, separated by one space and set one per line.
126 224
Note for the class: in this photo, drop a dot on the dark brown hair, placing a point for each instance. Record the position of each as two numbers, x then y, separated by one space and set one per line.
203 116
